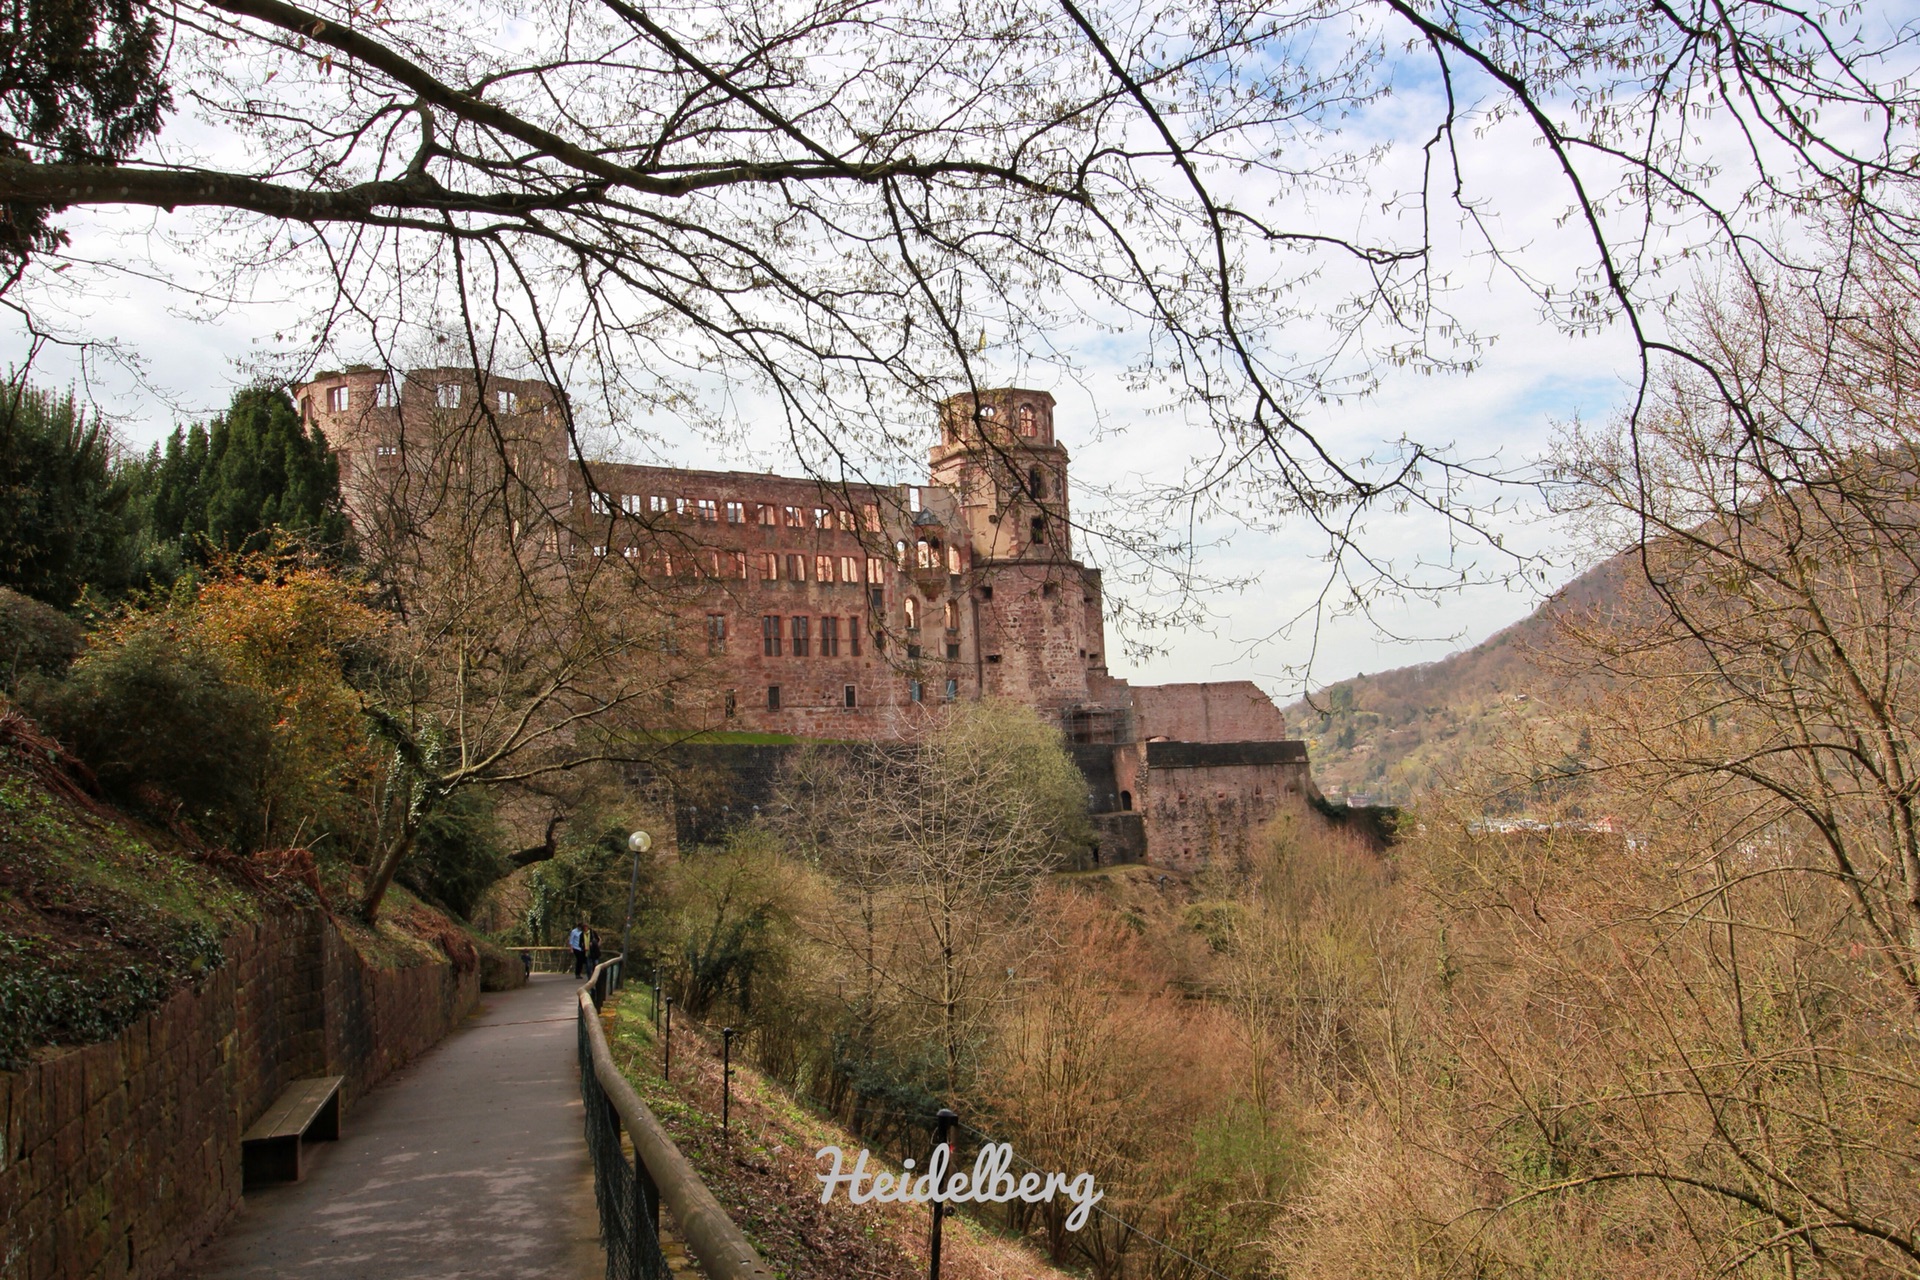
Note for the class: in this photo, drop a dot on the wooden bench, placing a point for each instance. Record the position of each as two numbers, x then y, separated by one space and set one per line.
308 1109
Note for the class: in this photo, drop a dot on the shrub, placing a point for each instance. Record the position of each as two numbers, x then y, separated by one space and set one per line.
166 732
458 852
35 638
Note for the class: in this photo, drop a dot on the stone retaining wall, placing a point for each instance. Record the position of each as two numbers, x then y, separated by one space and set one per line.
120 1157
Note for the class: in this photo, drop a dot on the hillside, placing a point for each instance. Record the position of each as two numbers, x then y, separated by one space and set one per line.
1392 735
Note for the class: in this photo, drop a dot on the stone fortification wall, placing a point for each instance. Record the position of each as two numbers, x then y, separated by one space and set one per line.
1219 711
118 1158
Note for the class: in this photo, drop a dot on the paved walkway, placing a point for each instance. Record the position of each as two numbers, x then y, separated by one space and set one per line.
471 1161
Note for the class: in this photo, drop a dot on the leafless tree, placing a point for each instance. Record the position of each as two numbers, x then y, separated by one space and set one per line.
857 208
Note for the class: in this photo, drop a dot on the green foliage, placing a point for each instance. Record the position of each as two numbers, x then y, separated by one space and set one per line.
730 924
80 83
63 514
35 639
586 880
66 1003
458 852
229 486
166 730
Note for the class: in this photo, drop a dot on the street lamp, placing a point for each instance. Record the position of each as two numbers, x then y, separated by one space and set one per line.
639 842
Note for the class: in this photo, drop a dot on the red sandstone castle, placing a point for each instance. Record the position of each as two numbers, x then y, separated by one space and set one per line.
846 611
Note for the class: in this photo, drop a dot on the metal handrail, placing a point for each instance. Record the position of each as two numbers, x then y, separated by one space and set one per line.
711 1236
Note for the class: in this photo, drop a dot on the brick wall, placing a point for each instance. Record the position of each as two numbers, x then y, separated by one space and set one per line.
118 1158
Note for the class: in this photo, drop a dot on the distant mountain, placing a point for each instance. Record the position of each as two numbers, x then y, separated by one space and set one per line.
1392 735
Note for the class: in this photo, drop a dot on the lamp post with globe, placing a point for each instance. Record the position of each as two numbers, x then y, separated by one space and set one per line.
638 843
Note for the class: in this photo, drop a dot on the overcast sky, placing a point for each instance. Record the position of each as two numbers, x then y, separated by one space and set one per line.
192 355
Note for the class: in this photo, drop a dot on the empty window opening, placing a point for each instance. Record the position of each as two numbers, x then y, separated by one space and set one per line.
796 568
849 695
913 614
716 633
953 690
599 503
986 593
1049 589
900 554
1037 531
506 402
770 635
829 637
386 451
337 399
823 517
384 394
802 640
1029 425
768 515
732 704
769 566
853 636
953 560
876 570
993 659
736 513
845 520
913 653
913 691
657 504
1126 800
795 520
849 569
447 395
773 697
877 599
953 615
870 513
631 503
707 509
823 568
953 653
740 565
1036 483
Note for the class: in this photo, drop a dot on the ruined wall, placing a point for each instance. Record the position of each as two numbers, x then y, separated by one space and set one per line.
1205 803
1221 711
118 1158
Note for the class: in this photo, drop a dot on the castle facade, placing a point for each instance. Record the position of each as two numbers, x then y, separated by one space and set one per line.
845 611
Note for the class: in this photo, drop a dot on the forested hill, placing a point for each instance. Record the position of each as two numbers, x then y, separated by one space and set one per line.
1391 735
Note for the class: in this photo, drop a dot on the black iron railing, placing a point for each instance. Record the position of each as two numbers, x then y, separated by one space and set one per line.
630 1190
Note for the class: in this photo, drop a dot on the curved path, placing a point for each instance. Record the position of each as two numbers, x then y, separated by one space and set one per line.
470 1161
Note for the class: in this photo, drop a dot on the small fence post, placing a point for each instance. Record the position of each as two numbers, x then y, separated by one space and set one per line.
666 1045
943 1124
726 1080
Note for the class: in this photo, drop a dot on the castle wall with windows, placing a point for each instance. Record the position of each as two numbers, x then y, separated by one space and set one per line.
801 607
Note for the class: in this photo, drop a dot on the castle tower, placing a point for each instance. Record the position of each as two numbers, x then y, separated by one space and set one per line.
1037 612
383 424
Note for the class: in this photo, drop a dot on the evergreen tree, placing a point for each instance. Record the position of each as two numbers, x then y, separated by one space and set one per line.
229 486
64 520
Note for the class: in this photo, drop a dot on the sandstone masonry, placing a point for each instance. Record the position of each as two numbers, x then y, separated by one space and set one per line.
118 1158
823 610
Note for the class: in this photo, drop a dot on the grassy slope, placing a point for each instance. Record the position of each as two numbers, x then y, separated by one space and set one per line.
101 918
766 1177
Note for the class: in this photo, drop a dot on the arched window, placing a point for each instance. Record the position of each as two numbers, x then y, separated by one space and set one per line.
1036 482
913 614
1028 425
1126 800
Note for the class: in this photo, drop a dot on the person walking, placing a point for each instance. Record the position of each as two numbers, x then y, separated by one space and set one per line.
593 949
577 943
